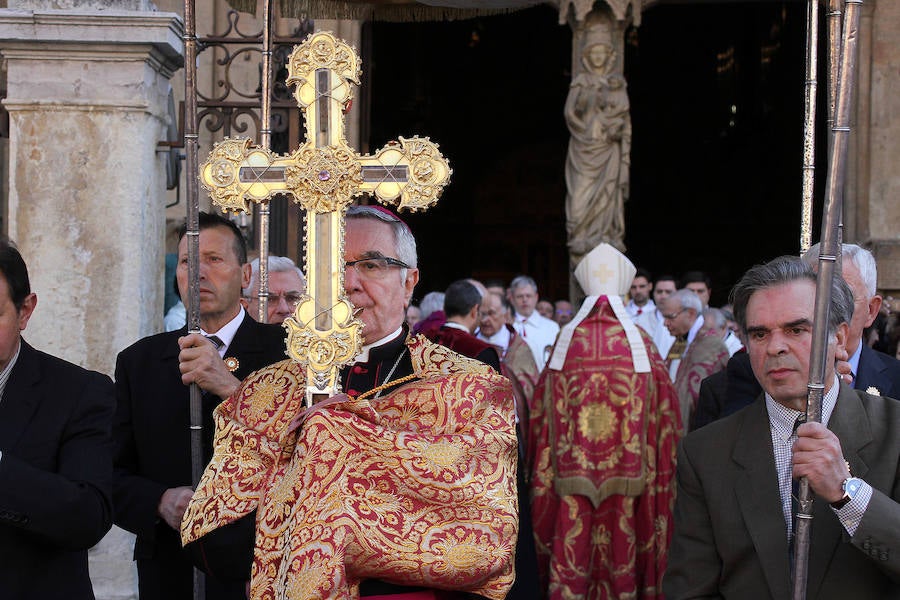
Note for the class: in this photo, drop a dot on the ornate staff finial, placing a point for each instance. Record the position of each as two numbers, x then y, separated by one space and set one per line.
323 176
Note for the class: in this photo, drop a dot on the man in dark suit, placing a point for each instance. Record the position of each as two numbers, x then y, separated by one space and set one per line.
55 456
870 370
152 436
733 513
726 391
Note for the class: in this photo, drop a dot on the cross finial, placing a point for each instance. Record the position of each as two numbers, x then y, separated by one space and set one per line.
323 176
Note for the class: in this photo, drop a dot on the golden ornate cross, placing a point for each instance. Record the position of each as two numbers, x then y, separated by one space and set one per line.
323 176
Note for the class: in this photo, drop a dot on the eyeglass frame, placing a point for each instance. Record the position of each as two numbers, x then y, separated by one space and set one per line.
391 262
673 317
276 298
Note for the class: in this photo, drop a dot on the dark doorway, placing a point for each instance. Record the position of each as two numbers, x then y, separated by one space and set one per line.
490 91
717 97
717 112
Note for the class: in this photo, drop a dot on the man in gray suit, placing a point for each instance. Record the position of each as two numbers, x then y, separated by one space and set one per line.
733 513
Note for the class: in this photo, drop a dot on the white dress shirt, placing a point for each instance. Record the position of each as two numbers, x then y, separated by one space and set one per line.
539 333
634 310
226 332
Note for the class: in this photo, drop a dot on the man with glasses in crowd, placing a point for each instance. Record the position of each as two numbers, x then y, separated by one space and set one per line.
373 489
538 331
700 353
516 359
286 287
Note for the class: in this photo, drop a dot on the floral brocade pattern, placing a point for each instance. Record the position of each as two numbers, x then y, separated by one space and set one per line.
602 453
416 487
519 364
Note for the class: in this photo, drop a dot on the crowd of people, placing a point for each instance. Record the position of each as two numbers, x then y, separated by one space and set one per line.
487 443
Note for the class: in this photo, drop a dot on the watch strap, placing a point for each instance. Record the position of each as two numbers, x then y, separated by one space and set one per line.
851 487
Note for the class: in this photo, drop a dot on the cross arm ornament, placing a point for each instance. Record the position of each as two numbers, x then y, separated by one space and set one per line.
323 176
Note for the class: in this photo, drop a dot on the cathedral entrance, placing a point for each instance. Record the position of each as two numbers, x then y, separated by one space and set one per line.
490 91
716 95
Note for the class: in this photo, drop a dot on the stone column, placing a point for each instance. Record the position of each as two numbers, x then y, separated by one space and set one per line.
87 99
87 93
877 191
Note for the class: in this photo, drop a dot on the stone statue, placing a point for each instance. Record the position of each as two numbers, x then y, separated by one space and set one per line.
597 165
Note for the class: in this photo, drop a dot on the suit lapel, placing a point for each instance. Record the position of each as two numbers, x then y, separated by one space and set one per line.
759 500
871 372
850 425
19 398
245 346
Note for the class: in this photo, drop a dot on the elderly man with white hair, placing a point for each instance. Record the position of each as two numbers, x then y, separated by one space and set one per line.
286 287
704 355
872 371
714 318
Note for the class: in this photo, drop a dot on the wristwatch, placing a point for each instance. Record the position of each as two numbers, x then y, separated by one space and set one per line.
851 487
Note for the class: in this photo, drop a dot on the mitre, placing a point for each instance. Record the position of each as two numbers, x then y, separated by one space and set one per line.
604 271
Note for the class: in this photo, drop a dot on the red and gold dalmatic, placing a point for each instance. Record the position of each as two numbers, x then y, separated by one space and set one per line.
602 450
416 487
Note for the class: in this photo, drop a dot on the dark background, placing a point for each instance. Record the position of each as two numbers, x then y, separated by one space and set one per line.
716 94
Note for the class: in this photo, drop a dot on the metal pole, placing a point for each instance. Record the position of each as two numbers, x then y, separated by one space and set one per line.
809 124
265 140
834 18
193 247
830 249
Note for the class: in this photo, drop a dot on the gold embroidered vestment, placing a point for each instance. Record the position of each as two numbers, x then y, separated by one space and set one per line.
416 487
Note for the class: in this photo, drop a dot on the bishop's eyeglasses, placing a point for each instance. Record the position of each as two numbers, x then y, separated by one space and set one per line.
377 267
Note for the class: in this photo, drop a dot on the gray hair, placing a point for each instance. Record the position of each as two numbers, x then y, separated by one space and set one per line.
687 299
521 281
277 264
862 259
717 317
404 242
786 269
431 302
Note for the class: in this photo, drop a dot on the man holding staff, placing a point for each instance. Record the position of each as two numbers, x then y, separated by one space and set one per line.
734 515
152 482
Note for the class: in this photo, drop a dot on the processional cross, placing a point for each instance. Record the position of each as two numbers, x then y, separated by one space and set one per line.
323 176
